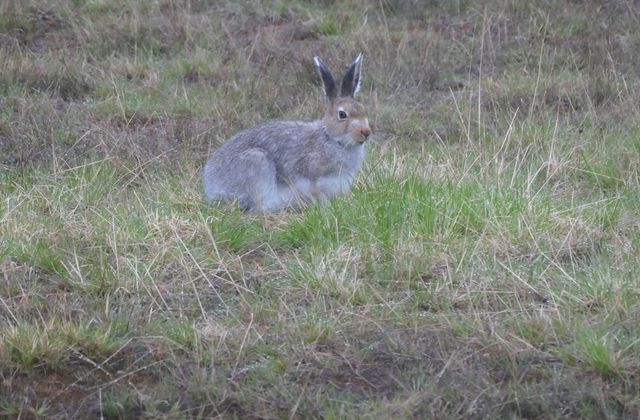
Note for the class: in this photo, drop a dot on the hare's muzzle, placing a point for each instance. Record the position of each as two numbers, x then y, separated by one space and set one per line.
362 132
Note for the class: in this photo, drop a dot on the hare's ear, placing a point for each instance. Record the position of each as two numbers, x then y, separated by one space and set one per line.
351 79
328 82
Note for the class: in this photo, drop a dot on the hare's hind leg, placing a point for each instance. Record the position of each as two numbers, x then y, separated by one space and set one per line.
260 181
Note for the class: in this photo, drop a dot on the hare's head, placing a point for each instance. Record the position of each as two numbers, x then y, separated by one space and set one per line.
344 117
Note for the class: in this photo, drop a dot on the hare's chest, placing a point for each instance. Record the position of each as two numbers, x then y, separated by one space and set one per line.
336 182
331 185
323 187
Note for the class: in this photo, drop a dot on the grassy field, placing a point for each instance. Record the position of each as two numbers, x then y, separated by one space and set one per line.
486 263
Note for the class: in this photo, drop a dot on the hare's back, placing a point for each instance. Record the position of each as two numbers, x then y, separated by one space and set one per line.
276 135
281 141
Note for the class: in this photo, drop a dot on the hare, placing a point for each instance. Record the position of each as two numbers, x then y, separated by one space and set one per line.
285 164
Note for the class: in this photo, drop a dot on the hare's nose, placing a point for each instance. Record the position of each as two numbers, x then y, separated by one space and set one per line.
366 132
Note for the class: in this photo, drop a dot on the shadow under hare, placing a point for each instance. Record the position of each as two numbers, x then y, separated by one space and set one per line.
285 164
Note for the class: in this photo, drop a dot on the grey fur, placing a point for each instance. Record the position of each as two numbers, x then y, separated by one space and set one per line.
284 164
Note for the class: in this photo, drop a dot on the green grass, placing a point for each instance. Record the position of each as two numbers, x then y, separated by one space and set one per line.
484 264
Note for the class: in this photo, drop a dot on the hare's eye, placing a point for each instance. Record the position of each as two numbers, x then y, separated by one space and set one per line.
342 115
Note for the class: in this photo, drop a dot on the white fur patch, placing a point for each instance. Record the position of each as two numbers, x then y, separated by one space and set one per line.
357 88
303 189
356 123
329 186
